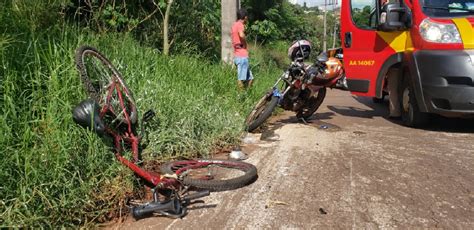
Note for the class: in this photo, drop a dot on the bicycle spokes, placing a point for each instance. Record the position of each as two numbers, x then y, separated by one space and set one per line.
100 76
117 107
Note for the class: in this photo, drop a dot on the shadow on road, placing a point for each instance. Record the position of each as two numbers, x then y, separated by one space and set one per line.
372 110
318 120
437 123
376 109
454 125
202 206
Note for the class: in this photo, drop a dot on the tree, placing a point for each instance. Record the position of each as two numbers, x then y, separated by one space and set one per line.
361 17
195 28
166 17
111 15
275 20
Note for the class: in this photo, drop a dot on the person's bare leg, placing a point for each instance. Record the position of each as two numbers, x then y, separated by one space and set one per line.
240 84
249 83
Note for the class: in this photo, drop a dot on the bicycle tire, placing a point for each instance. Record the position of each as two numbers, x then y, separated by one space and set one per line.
249 170
96 87
312 105
261 112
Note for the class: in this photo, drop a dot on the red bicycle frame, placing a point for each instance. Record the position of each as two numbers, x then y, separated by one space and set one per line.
129 137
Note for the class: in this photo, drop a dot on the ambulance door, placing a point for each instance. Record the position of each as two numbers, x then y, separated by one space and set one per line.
365 49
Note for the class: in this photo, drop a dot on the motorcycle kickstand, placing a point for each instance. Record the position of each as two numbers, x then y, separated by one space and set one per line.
303 120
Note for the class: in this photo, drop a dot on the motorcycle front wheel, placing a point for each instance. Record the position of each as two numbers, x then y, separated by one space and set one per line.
312 104
261 112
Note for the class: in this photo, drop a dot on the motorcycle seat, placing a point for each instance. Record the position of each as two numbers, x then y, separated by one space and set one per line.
322 57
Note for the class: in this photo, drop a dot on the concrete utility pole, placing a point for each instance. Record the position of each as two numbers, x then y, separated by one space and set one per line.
228 17
331 2
324 33
335 25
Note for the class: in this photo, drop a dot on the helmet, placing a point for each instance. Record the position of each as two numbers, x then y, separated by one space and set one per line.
333 68
86 114
299 49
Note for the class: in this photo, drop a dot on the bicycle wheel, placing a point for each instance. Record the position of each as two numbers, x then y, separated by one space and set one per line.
104 84
214 175
312 104
261 112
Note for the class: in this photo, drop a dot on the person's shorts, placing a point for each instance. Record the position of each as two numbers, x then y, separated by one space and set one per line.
243 69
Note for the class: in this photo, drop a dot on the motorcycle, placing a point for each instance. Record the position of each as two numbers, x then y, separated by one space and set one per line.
302 87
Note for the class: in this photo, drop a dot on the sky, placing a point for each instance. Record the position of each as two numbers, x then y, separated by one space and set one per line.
310 3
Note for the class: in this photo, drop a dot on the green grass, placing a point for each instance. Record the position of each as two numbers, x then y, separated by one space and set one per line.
55 173
197 101
52 172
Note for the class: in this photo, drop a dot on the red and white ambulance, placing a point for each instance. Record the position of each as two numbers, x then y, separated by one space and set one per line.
430 43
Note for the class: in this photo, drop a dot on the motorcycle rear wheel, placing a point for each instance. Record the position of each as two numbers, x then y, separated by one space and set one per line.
261 112
312 104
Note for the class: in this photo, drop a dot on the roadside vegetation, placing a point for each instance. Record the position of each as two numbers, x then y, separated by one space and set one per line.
55 173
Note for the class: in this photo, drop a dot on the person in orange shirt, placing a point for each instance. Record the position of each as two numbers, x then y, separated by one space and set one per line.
241 54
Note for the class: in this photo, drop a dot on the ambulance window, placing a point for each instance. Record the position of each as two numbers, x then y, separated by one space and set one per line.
363 13
452 8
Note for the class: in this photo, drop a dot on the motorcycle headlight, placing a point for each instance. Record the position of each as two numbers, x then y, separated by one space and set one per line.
439 32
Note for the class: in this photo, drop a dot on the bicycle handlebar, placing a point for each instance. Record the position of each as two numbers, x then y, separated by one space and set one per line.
196 195
141 211
174 208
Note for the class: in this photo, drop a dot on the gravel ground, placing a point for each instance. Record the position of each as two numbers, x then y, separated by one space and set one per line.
349 167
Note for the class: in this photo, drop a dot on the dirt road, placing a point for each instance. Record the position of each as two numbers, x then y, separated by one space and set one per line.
363 171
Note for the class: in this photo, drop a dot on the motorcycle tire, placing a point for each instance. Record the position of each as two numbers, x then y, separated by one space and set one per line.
312 105
261 112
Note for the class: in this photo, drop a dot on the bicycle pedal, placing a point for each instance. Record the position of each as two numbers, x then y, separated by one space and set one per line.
148 115
303 120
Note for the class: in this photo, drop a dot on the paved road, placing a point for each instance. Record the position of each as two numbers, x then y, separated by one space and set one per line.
363 171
